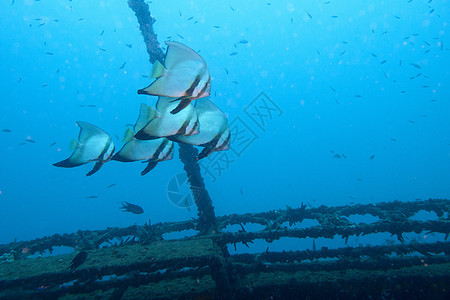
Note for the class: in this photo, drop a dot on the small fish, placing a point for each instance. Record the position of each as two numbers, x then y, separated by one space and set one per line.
372 157
415 65
334 17
309 15
21 144
336 156
318 52
333 89
19 80
101 33
215 26
122 66
92 197
44 85
129 45
186 204
190 18
243 41
242 192
110 186
52 144
397 17
374 55
6 130
30 141
180 36
343 52
132 208
80 19
226 70
78 260
49 53
232 8
101 49
233 53
358 96
383 62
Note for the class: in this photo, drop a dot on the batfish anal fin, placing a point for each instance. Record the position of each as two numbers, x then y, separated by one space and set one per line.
151 165
67 163
97 167
184 102
205 152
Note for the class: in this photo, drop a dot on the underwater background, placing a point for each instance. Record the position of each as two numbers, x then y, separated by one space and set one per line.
329 103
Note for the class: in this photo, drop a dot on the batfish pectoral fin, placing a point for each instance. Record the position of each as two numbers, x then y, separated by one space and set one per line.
158 70
97 167
205 152
184 102
151 165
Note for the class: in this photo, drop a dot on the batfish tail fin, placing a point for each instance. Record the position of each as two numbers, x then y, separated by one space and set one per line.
97 167
151 165
158 70
128 135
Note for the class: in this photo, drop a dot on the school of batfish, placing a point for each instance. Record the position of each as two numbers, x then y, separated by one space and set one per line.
182 78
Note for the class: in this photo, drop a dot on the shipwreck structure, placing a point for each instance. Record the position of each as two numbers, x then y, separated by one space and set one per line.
139 262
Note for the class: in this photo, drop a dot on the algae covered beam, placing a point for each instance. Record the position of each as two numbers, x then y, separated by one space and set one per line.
207 218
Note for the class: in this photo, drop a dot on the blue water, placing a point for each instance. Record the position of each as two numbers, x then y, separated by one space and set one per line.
346 127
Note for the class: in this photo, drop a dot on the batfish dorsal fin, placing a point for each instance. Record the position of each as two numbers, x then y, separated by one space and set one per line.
157 70
87 131
178 52
128 135
146 114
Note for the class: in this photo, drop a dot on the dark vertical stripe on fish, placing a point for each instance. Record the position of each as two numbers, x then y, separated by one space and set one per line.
160 148
182 130
193 127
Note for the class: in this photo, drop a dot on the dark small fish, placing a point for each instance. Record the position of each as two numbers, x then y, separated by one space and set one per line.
333 89
232 8
80 19
233 53
343 52
397 17
180 36
358 96
415 65
101 33
42 24
92 105
19 80
383 62
235 82
6 130
180 13
242 192
101 49
190 18
78 260
243 41
374 55
393 140
343 155
52 144
373 31
410 121
111 185
21 144
44 85
309 15
55 20
30 141
57 71
49 53
92 197
226 70
372 157
336 156
215 26
318 52
292 20
334 17
122 66
129 45
132 208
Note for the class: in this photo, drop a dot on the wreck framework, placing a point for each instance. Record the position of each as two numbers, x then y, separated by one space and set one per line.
138 262
142 264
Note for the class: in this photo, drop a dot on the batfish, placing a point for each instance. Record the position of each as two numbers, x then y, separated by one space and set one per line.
161 123
184 76
151 151
93 145
214 132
